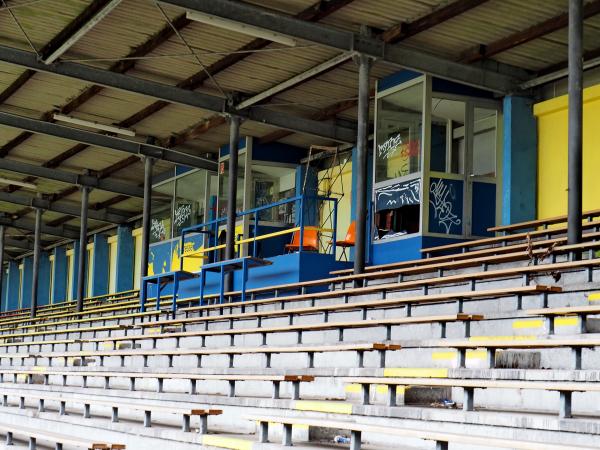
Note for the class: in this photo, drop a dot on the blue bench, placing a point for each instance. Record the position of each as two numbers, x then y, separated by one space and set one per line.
161 280
230 265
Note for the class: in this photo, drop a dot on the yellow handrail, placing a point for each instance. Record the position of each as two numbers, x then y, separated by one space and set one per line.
256 238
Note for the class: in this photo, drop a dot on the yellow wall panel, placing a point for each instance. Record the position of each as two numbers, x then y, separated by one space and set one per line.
552 118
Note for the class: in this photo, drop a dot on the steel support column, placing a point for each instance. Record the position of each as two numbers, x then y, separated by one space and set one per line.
85 194
37 249
364 66
2 233
575 119
148 165
234 137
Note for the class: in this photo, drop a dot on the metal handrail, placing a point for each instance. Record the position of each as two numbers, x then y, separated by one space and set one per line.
213 224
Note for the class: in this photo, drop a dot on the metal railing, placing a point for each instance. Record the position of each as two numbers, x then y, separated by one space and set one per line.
211 228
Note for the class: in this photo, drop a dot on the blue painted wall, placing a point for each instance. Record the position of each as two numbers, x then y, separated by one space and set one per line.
43 296
27 277
483 208
519 180
4 292
74 270
290 268
311 207
100 265
13 286
59 287
125 257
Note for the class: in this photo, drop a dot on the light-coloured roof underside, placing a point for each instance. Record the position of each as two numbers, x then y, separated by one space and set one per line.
134 22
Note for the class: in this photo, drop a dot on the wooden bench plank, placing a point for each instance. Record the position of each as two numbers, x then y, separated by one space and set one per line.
542 222
508 238
559 242
469 439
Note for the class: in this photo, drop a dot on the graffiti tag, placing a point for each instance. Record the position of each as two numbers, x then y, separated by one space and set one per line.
442 206
389 147
398 195
182 214
158 230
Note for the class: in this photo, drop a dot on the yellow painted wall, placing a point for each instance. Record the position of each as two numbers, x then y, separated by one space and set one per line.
340 187
552 118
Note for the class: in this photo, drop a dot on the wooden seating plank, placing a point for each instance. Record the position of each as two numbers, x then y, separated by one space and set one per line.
469 439
480 252
510 237
542 222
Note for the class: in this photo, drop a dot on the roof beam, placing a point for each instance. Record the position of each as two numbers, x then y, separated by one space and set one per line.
349 41
534 32
20 244
29 225
101 140
69 35
72 178
172 94
62 207
53 44
313 13
392 35
407 29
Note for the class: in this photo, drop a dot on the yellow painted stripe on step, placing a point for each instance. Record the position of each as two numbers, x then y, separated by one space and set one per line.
415 372
39 368
471 354
594 297
107 346
520 324
326 407
226 442
567 321
153 330
502 338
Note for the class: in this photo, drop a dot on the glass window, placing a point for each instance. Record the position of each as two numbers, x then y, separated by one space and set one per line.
398 137
160 221
223 183
447 135
271 184
484 142
189 201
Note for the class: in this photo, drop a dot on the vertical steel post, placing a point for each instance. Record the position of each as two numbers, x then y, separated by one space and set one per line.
234 137
147 211
3 305
364 66
575 120
85 194
37 248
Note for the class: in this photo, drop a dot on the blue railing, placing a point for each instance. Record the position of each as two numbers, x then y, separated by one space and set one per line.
211 227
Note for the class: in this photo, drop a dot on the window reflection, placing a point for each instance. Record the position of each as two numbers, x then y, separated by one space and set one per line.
399 130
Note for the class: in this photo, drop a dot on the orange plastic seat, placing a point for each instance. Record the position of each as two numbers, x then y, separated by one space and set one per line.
310 241
349 240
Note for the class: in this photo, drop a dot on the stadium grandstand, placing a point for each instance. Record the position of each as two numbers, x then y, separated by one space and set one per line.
326 224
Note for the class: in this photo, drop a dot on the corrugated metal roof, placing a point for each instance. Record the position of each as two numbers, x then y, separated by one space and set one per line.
133 22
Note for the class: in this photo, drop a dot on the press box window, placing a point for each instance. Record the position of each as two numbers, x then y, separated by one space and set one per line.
399 130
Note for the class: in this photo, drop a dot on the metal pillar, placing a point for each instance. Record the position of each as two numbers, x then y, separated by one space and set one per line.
85 194
148 164
3 305
364 66
234 137
575 119
37 248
